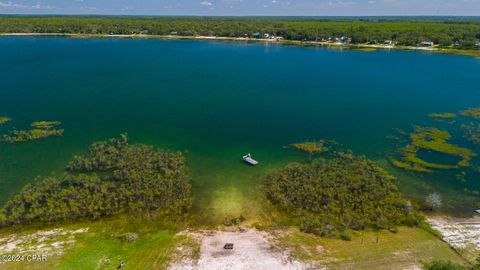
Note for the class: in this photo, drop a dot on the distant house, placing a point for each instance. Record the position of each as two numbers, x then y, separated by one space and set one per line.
174 33
426 44
477 44
387 42
256 35
345 39
144 32
272 37
456 43
372 41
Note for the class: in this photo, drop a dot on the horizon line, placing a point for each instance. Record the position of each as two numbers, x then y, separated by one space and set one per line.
245 16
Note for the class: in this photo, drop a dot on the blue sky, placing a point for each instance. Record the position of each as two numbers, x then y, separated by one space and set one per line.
244 7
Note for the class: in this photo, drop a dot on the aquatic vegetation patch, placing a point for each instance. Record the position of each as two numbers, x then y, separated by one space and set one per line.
346 192
471 132
364 49
432 139
45 124
41 130
471 112
443 115
313 147
17 136
409 166
140 178
4 119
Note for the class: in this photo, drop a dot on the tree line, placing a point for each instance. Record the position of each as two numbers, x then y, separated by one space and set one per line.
464 32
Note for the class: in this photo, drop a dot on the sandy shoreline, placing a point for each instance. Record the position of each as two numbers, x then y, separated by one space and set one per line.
459 233
474 53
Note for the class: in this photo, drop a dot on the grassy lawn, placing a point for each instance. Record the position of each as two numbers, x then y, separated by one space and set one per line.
403 250
103 247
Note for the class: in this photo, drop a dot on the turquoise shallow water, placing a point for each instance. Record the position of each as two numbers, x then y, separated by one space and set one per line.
220 100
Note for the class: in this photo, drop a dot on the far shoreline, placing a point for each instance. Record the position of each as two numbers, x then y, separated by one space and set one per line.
359 47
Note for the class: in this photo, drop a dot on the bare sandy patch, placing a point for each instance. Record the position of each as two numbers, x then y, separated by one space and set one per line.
458 233
51 242
252 249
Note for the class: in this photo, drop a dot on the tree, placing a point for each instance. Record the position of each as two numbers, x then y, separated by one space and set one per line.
434 200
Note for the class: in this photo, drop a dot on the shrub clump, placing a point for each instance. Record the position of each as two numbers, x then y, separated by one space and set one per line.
347 192
136 178
444 265
61 198
129 237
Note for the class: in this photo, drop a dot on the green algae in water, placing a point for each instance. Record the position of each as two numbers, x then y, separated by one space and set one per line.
4 119
471 132
314 147
41 130
18 136
431 139
409 166
443 115
45 124
471 112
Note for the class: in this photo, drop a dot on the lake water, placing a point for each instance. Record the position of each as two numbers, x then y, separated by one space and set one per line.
220 100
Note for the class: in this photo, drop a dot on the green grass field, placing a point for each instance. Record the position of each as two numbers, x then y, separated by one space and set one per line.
403 250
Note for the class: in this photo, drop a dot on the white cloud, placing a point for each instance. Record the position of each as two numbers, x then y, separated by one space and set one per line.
206 3
12 5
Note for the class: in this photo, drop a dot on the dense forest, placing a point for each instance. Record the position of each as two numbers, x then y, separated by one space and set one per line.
461 32
112 177
346 192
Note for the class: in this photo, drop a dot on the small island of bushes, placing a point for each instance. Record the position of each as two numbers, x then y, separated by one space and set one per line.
347 192
134 177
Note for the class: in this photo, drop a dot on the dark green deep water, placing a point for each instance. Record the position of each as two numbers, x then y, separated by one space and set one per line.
220 100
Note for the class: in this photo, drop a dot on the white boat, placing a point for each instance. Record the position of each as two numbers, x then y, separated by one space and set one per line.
248 158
